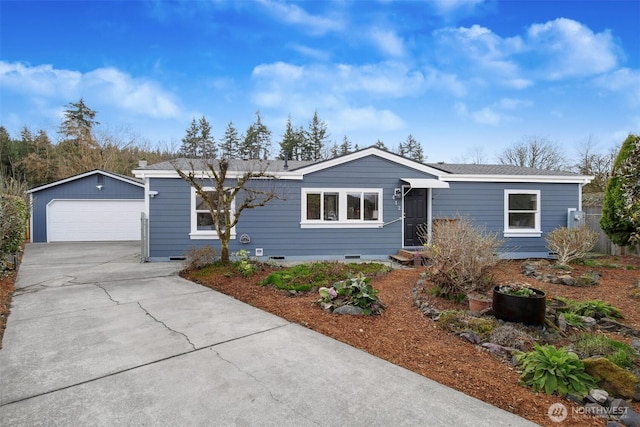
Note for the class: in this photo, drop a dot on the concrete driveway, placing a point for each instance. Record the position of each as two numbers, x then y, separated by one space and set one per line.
97 338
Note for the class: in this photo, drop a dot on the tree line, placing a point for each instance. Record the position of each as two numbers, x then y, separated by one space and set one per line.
32 158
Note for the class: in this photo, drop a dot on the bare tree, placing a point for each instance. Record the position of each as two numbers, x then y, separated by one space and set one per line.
226 195
533 152
592 162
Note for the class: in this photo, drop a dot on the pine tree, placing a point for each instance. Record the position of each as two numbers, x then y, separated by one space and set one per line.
198 141
411 149
379 144
345 147
316 138
230 143
257 141
292 142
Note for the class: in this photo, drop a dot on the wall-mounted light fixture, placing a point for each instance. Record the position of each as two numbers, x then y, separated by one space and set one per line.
99 187
153 194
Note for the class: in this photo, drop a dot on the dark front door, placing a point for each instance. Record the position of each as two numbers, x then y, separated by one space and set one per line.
415 213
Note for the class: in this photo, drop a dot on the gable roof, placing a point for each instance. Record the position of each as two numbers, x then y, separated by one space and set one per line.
127 179
442 171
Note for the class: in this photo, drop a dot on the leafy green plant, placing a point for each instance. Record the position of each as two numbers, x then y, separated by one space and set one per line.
553 370
356 291
244 264
597 309
623 355
516 289
574 320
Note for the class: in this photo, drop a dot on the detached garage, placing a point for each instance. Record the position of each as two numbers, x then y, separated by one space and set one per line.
91 207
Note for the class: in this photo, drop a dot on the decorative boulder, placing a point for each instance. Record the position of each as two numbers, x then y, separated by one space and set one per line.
612 378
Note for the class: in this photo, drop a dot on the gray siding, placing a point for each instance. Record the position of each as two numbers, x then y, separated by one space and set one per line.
276 227
484 203
82 188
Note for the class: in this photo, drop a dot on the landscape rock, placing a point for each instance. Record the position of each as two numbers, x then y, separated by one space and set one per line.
635 343
589 322
588 279
348 309
599 395
630 418
562 323
611 325
614 424
614 379
567 280
498 350
471 336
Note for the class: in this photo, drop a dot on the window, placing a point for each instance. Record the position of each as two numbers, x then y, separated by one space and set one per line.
522 213
343 208
202 226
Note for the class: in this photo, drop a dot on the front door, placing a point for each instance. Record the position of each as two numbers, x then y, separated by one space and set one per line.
415 213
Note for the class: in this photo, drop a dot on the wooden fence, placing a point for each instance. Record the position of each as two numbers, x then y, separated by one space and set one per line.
604 244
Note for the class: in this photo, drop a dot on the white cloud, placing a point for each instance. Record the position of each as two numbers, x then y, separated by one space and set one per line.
369 118
494 114
567 48
625 81
294 14
388 42
317 54
106 85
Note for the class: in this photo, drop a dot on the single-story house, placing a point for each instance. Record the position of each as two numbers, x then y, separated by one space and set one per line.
92 206
363 205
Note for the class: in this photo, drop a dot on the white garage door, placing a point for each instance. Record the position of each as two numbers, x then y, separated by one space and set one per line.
93 220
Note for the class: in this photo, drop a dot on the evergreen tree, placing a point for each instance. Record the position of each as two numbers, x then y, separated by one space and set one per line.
411 149
292 143
345 147
198 141
230 144
257 141
379 144
78 124
621 209
316 138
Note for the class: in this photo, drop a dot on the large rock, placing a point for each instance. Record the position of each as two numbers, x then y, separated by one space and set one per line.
349 309
630 418
614 379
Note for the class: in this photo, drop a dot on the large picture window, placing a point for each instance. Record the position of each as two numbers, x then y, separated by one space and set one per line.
202 226
341 207
522 213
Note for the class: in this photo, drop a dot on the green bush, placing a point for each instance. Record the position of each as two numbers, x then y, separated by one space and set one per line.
13 224
354 291
597 309
553 370
459 321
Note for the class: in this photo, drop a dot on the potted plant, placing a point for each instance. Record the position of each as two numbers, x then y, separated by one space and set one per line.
518 302
478 302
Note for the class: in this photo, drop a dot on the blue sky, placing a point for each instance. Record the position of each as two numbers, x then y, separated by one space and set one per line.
464 77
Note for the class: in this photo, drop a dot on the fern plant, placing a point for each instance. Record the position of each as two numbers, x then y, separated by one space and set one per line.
553 370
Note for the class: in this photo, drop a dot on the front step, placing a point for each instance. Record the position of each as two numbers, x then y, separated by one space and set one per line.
404 257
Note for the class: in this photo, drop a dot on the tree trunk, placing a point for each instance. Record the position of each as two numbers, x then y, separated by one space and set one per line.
224 251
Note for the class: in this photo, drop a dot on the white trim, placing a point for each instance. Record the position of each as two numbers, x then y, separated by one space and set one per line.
84 175
429 213
555 179
425 183
342 221
196 234
32 230
519 232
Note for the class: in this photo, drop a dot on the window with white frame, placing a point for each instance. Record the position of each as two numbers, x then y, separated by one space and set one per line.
522 213
202 225
343 207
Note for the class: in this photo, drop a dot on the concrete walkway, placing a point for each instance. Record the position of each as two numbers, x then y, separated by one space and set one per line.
95 338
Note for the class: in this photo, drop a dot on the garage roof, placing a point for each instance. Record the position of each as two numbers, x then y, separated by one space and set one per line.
127 179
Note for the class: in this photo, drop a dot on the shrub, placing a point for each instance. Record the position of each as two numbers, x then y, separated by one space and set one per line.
597 309
243 263
571 243
13 224
552 370
460 321
461 257
197 258
355 291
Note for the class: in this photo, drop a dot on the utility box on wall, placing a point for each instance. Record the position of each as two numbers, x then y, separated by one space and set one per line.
575 219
